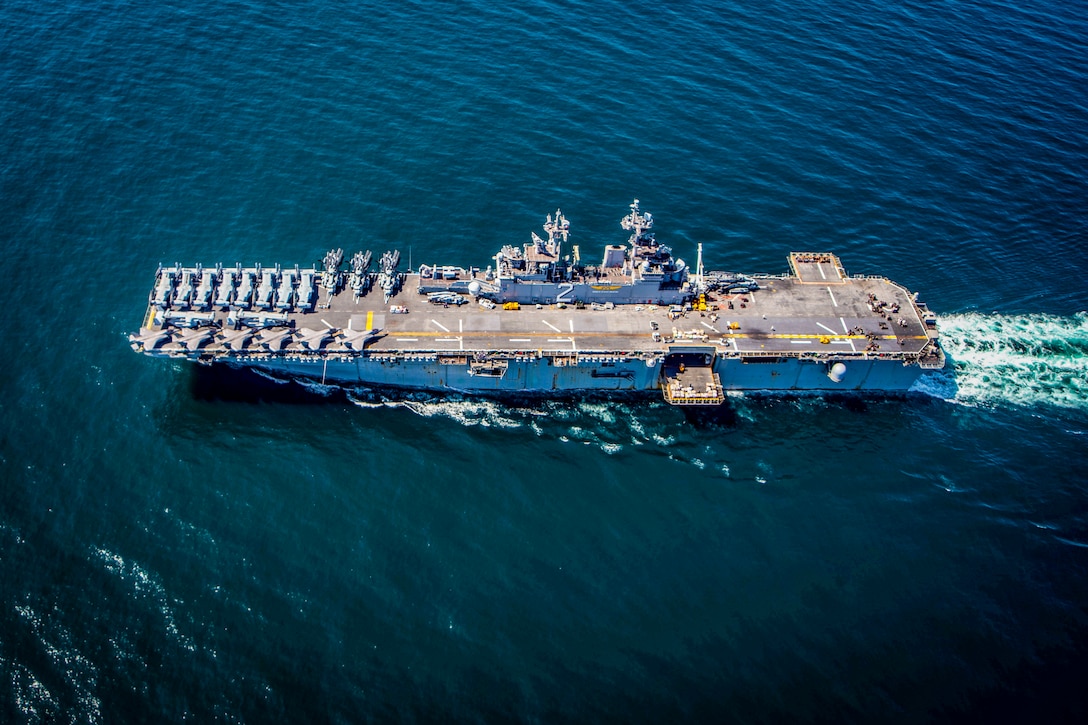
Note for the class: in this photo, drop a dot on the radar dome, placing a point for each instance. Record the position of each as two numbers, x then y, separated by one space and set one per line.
837 372
474 288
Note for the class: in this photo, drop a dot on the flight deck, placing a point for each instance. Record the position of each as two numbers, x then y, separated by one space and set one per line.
785 316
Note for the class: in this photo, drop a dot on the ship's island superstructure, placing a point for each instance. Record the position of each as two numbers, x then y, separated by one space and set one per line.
541 319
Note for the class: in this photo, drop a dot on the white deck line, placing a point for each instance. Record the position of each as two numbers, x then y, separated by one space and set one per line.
833 300
827 328
564 339
821 268
847 331
521 339
444 328
800 342
708 326
551 325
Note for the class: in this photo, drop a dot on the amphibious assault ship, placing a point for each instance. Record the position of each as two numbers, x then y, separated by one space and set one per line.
542 319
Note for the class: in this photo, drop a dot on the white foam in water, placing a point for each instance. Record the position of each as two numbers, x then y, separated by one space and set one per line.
601 411
270 376
318 388
1018 359
477 411
579 423
487 412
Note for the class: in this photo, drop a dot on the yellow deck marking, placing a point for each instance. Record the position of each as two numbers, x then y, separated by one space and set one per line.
150 320
370 320
739 335
817 337
494 333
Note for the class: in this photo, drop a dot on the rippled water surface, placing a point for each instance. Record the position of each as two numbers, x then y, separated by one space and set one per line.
180 544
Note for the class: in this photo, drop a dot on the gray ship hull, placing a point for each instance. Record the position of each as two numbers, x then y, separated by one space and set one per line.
601 373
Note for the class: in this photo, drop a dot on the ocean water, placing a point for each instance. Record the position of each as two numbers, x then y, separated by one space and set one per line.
178 544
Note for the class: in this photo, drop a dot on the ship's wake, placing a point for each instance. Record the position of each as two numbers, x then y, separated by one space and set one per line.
611 425
1022 360
467 411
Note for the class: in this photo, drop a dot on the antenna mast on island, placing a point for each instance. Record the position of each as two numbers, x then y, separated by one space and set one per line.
700 287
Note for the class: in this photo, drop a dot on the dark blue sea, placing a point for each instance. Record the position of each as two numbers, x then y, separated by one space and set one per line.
179 544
